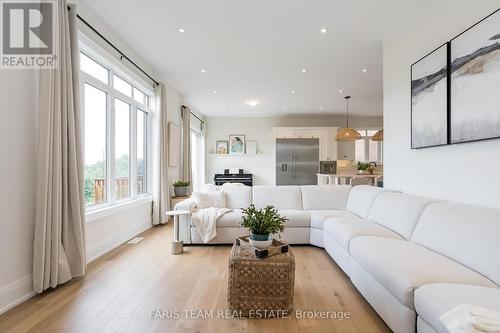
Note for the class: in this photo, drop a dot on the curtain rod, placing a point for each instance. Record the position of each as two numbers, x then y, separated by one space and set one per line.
185 107
122 55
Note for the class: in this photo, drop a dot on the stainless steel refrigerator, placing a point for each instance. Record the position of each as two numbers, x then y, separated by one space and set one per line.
297 161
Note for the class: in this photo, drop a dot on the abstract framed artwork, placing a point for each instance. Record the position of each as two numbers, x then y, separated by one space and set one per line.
236 144
429 99
475 82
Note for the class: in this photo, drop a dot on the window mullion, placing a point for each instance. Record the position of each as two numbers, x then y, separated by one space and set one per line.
111 130
367 144
149 153
133 151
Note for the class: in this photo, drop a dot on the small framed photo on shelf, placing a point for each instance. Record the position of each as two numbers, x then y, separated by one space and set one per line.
221 147
237 144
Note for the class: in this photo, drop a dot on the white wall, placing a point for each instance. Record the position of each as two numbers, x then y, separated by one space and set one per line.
463 172
17 197
260 130
18 102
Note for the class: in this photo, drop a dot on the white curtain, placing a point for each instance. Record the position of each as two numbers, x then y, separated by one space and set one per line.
59 244
160 157
186 144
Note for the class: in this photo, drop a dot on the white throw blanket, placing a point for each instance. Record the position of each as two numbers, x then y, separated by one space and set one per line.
466 318
205 220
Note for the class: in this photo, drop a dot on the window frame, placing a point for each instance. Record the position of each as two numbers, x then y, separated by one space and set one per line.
199 133
100 57
367 140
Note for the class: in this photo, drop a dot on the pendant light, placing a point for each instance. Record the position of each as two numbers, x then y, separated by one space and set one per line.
347 133
379 136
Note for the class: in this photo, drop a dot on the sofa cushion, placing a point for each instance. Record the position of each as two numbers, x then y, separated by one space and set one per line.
433 300
465 233
361 199
209 199
324 197
344 229
296 218
318 217
398 212
402 266
237 197
230 219
281 197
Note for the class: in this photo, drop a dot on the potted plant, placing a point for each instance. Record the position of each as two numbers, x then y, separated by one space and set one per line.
363 167
181 188
262 223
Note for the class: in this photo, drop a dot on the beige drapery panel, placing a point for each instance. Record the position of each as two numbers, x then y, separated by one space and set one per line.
186 144
59 244
160 157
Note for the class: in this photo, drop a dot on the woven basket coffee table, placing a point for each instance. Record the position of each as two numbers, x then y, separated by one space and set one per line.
260 288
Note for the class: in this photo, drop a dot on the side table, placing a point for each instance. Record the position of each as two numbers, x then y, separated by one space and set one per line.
260 286
174 200
177 245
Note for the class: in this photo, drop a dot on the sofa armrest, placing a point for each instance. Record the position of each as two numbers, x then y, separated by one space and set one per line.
185 220
188 204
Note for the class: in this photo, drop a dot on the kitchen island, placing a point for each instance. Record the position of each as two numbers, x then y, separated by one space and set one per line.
345 178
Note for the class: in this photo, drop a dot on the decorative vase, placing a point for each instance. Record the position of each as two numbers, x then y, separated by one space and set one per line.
181 191
260 241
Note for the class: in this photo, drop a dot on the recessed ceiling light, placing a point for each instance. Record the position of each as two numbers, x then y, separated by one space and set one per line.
321 108
341 91
181 30
224 109
304 70
203 70
285 108
365 70
324 30
293 91
215 91
252 102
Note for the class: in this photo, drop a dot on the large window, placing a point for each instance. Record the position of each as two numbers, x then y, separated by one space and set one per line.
197 154
366 150
116 113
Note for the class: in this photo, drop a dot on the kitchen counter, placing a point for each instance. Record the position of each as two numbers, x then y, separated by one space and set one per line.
335 178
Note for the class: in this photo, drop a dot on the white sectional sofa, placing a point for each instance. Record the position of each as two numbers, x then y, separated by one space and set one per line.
412 258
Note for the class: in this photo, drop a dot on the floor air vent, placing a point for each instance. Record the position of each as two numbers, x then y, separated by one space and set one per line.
135 240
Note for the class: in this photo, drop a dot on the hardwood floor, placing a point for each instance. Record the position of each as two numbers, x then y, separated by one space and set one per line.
122 288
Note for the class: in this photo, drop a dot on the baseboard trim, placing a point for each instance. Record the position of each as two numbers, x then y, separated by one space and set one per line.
16 292
21 289
98 251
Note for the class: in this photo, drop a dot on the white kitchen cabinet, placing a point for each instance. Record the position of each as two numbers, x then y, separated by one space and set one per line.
328 145
284 133
323 145
305 133
345 150
326 135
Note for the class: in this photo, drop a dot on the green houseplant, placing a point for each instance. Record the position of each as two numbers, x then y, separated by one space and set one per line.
262 223
363 167
181 188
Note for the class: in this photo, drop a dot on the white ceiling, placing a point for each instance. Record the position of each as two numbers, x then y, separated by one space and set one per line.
256 50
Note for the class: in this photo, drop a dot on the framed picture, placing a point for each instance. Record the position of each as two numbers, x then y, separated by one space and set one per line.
251 147
221 147
236 144
475 82
429 99
173 145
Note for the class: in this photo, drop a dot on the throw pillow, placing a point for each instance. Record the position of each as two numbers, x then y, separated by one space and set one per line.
211 199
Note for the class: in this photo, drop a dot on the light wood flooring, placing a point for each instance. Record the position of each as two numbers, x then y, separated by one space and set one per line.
124 286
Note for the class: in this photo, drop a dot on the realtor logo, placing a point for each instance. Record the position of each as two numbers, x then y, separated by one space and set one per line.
27 35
